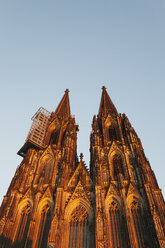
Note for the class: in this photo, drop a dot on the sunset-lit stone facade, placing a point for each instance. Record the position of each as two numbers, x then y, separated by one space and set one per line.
55 201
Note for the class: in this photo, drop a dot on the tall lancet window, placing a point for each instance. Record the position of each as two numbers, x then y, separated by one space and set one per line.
54 138
136 219
44 169
112 133
79 229
117 169
114 225
24 220
44 226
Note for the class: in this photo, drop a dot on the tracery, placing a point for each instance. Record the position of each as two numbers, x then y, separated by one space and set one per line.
136 218
79 229
114 225
44 226
45 166
24 220
117 167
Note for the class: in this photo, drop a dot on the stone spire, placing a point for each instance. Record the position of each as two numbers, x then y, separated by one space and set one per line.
63 108
106 105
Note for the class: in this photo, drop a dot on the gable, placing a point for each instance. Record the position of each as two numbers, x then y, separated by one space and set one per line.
28 194
115 149
47 194
47 152
81 173
78 197
132 190
79 192
113 191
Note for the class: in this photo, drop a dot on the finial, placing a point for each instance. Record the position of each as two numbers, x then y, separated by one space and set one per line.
66 91
103 88
81 156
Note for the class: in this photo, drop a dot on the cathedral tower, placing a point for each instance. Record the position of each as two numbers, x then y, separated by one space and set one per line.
130 209
55 201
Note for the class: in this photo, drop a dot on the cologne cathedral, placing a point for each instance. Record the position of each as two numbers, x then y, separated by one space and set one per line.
55 201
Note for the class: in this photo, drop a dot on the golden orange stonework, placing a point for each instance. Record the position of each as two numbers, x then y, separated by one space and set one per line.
55 201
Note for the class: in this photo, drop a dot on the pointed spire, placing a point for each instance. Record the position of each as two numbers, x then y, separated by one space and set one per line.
106 105
63 108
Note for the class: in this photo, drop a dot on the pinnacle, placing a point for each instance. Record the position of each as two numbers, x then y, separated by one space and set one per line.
81 156
106 105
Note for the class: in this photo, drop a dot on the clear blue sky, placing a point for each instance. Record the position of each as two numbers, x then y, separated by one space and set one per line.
48 46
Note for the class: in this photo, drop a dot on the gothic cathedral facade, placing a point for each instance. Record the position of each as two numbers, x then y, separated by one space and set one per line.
55 201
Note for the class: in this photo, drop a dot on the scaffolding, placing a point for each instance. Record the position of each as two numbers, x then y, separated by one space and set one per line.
37 131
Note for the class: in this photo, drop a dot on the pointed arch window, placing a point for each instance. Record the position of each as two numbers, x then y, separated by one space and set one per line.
24 221
117 167
79 229
54 138
44 169
112 133
44 226
114 225
136 218
64 139
48 169
158 226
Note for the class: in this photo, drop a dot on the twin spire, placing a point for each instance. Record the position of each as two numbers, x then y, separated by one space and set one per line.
63 108
106 105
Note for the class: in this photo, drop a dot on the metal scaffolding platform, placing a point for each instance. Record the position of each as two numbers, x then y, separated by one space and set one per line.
37 131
